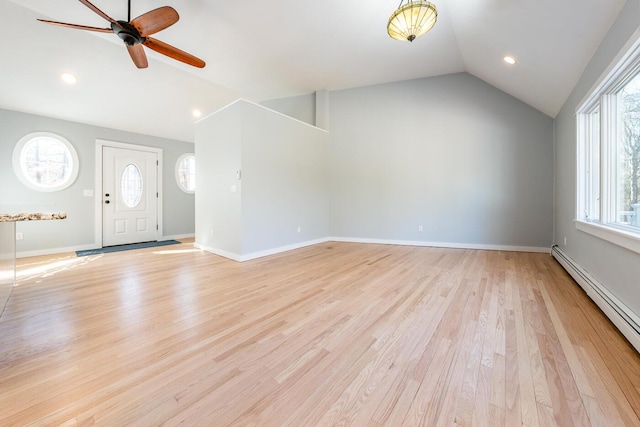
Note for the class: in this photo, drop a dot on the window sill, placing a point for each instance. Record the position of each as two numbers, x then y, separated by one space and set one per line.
620 237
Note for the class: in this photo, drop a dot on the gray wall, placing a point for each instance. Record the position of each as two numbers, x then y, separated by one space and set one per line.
283 185
301 107
78 229
468 162
285 180
616 268
218 213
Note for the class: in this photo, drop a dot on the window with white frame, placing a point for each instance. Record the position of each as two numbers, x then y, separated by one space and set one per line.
186 173
589 131
608 185
45 161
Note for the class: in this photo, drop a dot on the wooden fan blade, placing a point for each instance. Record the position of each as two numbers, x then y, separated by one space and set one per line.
155 20
173 52
79 27
138 56
96 10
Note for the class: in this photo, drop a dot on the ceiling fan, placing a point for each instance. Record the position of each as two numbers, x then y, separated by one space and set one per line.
135 33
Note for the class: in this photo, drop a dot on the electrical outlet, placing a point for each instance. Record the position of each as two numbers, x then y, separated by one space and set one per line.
420 228
299 229
19 236
565 240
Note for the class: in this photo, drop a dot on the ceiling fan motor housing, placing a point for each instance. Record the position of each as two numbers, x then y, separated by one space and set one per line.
127 32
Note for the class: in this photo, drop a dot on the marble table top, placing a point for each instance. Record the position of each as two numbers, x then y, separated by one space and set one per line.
33 216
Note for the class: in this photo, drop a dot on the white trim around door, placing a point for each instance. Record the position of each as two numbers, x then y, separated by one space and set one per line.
98 184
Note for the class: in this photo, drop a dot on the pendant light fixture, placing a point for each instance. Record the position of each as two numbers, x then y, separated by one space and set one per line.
412 20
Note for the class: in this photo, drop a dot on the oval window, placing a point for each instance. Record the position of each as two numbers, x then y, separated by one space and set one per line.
186 173
45 161
131 186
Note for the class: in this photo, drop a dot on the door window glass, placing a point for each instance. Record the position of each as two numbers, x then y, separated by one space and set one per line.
131 186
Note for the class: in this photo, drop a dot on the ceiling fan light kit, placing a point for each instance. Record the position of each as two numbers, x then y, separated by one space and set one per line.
136 33
412 20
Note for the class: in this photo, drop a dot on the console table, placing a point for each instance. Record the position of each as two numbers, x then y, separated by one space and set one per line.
8 248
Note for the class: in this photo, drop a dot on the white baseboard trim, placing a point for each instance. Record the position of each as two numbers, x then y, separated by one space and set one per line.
216 251
442 244
259 254
627 322
177 237
54 251
273 251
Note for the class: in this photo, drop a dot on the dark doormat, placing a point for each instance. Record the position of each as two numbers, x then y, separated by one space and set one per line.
119 248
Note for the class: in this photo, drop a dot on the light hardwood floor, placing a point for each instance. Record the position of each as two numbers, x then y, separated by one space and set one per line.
332 334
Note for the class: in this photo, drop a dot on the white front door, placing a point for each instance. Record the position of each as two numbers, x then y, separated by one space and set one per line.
129 196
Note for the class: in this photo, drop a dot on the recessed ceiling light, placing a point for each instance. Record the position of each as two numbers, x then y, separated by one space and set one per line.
69 78
197 113
510 60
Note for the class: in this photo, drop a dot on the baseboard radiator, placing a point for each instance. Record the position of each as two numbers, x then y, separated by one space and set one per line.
627 322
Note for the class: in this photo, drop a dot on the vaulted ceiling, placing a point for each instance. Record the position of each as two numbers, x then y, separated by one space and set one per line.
262 50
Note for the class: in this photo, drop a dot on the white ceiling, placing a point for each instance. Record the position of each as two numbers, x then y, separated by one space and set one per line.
261 50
